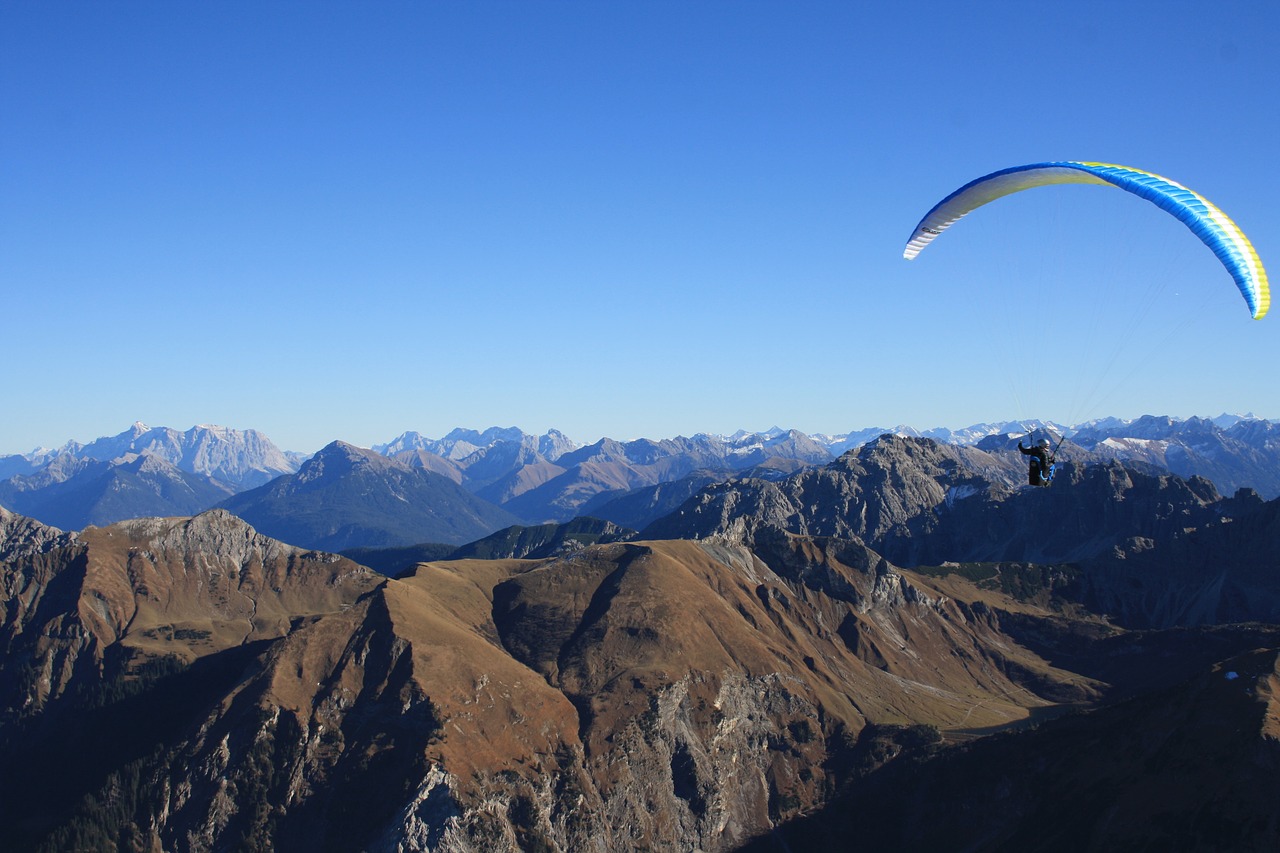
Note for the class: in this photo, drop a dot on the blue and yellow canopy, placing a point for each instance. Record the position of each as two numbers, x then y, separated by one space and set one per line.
1209 223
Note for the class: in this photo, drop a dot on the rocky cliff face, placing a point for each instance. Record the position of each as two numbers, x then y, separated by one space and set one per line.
242 459
22 538
188 684
1145 546
39 569
670 695
1223 569
150 588
886 489
917 501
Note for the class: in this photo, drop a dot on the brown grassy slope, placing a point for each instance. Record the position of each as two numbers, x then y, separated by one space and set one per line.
193 586
180 587
611 627
1195 766
668 694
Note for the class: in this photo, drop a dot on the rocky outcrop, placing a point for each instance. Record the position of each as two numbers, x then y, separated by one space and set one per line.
152 588
22 538
40 569
670 695
208 688
886 489
922 503
1146 547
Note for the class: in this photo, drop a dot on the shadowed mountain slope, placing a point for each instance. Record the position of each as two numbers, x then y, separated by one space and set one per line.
152 587
1146 546
1224 569
346 497
544 540
664 694
1195 766
667 694
73 493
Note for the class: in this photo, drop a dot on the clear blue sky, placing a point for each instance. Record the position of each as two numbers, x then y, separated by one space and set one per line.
347 220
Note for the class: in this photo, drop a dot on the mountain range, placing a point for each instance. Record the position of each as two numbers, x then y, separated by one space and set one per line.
902 648
504 476
346 497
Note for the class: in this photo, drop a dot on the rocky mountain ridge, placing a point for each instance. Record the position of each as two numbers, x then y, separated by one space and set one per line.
345 497
548 478
760 671
1137 540
73 493
491 704
240 459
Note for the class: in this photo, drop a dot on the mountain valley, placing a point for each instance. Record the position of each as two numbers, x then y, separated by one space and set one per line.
899 648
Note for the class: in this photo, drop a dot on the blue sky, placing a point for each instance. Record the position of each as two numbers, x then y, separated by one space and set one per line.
347 220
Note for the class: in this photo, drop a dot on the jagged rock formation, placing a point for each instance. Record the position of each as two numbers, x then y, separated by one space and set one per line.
150 588
73 493
460 444
889 486
673 695
22 538
238 459
1241 456
190 684
142 472
94 621
1146 544
919 502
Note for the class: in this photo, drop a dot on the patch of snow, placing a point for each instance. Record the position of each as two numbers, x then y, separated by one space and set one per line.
959 493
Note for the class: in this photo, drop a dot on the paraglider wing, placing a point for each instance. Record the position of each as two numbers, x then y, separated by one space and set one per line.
1204 218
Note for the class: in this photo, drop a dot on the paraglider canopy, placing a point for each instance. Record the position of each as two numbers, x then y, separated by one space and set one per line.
1209 223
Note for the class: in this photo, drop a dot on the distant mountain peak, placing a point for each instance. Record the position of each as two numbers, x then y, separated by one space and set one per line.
461 443
337 458
347 496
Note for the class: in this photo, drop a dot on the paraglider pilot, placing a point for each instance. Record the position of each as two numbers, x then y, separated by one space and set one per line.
1040 466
